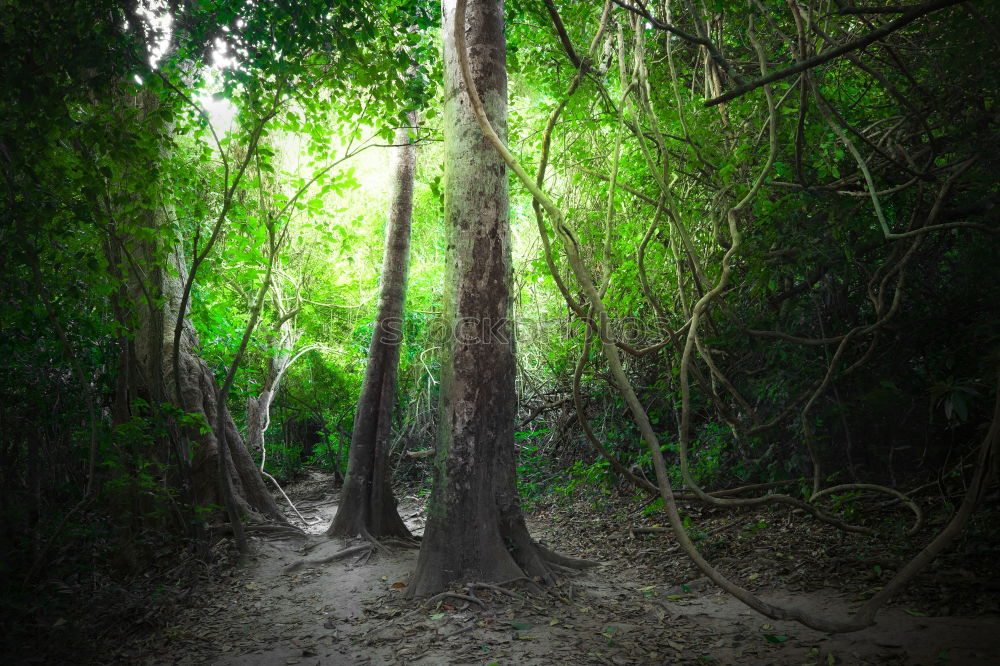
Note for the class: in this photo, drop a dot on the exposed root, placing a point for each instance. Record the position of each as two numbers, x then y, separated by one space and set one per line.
369 546
560 569
365 536
565 561
468 591
364 557
365 548
471 598
487 586
411 543
527 582
275 531
918 520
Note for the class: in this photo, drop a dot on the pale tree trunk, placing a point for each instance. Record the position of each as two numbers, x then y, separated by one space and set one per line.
284 337
367 506
475 528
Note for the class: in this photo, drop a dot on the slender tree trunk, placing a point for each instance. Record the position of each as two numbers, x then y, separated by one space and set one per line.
259 408
475 528
367 506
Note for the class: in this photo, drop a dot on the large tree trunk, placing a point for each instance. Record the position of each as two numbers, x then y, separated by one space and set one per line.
475 528
367 506
198 389
145 251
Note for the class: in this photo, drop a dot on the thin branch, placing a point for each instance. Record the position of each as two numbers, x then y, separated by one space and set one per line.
830 54
563 36
686 36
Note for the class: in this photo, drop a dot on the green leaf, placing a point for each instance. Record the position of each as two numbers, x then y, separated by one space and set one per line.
775 638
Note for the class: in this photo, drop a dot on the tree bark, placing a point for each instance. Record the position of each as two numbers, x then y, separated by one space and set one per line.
367 506
146 253
475 527
153 351
199 389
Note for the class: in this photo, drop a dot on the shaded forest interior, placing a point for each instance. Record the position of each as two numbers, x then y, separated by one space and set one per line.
718 279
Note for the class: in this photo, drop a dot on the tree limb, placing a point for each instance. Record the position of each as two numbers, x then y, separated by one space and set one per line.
829 54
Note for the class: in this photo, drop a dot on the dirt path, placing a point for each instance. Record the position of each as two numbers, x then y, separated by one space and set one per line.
352 613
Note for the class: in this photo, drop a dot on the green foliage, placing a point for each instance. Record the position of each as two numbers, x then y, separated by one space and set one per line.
582 477
111 163
330 454
534 467
284 460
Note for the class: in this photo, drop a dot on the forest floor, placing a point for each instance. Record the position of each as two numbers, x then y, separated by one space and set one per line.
644 604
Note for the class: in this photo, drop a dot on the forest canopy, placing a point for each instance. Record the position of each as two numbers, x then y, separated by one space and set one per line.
727 253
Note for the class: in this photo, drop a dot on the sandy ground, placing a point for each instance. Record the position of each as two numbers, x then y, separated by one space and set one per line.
352 612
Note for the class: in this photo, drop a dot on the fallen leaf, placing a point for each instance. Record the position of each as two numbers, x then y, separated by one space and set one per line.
399 585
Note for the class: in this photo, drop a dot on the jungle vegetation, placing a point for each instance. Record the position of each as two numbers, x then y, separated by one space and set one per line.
735 252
